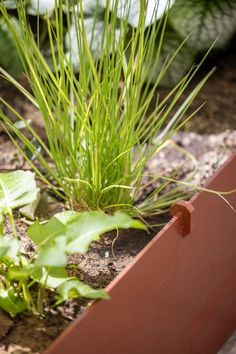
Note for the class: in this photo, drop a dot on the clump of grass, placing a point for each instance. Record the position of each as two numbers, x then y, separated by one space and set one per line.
100 132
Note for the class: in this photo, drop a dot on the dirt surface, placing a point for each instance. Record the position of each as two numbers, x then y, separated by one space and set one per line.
29 334
230 346
219 112
209 139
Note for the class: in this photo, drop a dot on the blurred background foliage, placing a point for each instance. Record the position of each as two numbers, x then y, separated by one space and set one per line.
201 22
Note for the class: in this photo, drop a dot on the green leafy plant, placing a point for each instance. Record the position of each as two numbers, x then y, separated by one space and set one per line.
205 22
201 21
100 131
25 279
11 61
9 58
16 189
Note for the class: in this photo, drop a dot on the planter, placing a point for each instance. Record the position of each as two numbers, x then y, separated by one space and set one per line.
178 295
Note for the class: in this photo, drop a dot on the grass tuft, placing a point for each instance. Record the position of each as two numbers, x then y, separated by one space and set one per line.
100 130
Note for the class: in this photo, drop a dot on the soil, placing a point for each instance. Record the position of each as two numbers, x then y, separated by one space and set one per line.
210 138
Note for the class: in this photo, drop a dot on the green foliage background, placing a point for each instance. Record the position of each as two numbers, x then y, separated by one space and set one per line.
204 20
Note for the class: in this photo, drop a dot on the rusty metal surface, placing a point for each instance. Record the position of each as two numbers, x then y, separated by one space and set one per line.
178 296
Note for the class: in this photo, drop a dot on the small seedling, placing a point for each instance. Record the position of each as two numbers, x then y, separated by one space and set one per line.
16 189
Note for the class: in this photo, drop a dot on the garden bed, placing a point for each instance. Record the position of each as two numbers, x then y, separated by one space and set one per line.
107 258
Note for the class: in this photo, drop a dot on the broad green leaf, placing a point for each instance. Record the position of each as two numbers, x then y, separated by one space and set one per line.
17 188
1 223
54 282
58 272
29 210
66 216
8 247
10 4
51 277
206 20
11 302
51 257
75 288
43 234
95 26
94 29
77 230
130 10
20 273
89 225
40 7
178 67
90 6
9 58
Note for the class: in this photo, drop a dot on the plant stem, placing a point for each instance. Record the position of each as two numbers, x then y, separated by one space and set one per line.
12 221
28 298
40 298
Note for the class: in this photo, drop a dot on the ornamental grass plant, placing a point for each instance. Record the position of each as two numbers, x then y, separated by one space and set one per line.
101 132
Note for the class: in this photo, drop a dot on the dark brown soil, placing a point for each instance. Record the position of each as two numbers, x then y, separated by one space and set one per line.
210 138
219 112
13 97
29 334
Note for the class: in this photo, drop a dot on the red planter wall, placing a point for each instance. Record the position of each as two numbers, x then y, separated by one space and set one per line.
178 296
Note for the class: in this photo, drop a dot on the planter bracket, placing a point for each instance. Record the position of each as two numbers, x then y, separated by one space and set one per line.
183 210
